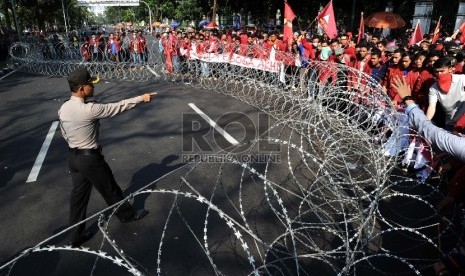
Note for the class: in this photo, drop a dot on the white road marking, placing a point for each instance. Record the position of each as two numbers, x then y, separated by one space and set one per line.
8 74
152 71
213 124
42 153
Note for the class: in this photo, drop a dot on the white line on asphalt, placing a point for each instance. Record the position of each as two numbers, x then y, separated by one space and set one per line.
8 74
213 124
42 153
152 71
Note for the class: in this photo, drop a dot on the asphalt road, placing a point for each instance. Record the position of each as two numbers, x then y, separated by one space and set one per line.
140 146
148 147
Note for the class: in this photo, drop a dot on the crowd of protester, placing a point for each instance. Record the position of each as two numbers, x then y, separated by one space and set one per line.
118 47
433 69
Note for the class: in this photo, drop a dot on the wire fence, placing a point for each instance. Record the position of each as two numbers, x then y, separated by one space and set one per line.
336 203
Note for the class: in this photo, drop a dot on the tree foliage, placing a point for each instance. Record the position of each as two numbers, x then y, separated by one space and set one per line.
47 13
188 10
43 14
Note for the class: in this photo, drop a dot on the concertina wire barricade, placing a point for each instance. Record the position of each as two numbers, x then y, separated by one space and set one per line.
337 202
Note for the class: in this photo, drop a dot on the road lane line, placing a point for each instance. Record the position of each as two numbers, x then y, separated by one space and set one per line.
42 153
9 74
214 125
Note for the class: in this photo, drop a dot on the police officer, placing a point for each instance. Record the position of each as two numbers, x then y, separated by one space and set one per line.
79 123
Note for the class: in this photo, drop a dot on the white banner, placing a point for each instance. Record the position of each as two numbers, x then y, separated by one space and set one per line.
243 61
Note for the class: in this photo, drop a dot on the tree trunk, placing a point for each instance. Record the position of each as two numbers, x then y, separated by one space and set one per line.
8 25
40 19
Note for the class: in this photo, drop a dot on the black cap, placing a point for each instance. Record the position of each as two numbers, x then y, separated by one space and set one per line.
81 76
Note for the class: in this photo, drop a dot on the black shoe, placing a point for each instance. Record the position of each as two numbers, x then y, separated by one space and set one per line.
84 238
137 216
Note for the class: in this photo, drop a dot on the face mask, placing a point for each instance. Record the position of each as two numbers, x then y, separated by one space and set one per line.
315 44
444 82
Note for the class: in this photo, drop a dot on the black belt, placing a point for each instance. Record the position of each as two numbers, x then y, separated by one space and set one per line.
76 151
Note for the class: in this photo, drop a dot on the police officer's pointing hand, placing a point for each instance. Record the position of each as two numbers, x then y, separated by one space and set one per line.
147 97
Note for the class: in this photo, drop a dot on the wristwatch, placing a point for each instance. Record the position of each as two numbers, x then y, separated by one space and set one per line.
407 98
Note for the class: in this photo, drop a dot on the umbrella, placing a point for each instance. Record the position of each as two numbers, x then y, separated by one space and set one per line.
203 23
156 24
385 20
175 24
211 25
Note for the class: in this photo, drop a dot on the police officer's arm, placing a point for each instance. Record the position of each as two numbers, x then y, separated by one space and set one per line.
100 111
444 140
459 126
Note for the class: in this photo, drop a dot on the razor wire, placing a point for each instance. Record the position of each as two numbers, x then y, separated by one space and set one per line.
336 203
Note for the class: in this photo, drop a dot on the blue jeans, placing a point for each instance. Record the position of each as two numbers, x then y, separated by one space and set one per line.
176 64
135 57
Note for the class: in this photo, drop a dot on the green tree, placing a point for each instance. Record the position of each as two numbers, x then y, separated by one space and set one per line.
128 15
47 13
6 20
113 15
169 9
43 14
188 10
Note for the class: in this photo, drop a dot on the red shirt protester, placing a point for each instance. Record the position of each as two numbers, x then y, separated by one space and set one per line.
394 70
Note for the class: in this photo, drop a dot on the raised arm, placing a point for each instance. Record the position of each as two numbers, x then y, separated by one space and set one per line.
444 140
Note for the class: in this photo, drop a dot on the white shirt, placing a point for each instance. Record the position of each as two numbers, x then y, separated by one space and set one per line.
453 102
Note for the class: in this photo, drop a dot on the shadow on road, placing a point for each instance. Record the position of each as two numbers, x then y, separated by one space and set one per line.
148 174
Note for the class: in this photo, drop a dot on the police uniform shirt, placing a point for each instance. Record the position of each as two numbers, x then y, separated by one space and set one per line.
79 121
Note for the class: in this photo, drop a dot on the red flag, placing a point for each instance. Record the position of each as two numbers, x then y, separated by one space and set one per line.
327 21
417 36
436 31
361 29
462 30
288 17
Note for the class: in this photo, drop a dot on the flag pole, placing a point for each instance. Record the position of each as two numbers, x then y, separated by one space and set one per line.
311 23
214 12
411 40
314 20
298 23
362 22
436 31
